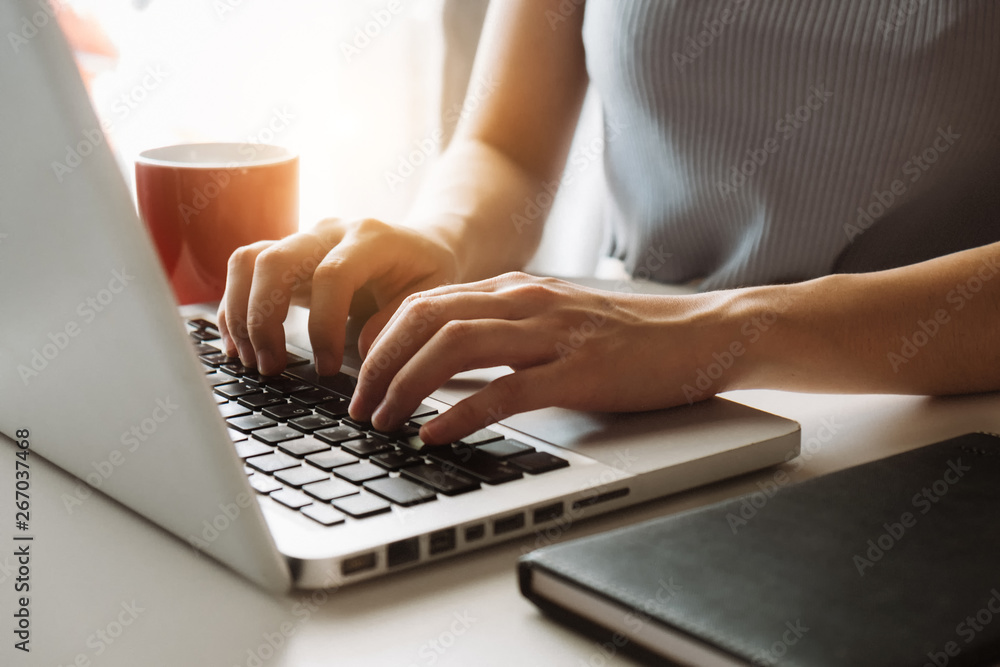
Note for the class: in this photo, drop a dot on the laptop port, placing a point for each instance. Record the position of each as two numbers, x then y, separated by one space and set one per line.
508 524
356 564
473 533
548 513
402 552
441 541
602 498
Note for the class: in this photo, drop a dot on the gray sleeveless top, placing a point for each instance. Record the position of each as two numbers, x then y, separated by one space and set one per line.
763 141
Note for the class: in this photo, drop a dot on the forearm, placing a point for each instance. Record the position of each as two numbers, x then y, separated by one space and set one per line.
486 208
929 328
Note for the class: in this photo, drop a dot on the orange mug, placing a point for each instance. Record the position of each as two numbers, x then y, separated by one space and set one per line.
202 201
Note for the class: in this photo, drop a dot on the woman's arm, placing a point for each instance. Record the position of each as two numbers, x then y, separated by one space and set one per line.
928 328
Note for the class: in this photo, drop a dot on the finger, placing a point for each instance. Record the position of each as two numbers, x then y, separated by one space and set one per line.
276 270
520 391
419 319
459 346
239 278
377 322
228 346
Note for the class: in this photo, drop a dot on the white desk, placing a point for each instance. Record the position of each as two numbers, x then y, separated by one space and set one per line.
87 564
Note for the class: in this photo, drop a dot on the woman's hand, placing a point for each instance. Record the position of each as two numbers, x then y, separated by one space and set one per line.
569 346
325 268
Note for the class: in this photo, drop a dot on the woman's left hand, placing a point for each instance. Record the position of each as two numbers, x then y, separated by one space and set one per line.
568 346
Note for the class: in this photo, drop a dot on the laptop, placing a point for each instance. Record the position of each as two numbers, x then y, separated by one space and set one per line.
268 475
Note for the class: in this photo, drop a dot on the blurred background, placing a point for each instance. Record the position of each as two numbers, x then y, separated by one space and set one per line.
367 92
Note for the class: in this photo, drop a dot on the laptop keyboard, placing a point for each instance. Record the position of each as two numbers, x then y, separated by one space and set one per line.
300 447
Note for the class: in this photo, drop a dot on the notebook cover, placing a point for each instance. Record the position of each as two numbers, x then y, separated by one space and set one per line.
893 562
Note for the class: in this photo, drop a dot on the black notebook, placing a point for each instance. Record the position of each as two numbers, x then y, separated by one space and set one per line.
891 563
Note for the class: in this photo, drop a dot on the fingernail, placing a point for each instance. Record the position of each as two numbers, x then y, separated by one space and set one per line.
265 363
428 432
229 347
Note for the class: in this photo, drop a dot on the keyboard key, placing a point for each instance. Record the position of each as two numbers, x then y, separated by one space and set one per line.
359 472
361 505
538 462
204 348
260 401
215 378
252 376
324 514
332 458
311 422
443 480
505 449
481 437
399 435
483 467
263 483
314 397
285 411
336 408
235 435
396 460
228 410
287 386
303 446
292 498
277 434
249 448
330 489
200 323
342 383
214 359
251 423
338 434
234 368
302 475
202 335
423 411
237 389
420 421
366 447
360 425
293 359
272 462
413 443
400 491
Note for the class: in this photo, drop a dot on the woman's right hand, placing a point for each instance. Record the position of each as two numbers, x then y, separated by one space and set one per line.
325 269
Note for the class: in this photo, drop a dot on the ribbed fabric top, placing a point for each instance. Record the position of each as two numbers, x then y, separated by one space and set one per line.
779 140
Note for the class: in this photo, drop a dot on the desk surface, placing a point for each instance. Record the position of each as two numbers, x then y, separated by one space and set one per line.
109 588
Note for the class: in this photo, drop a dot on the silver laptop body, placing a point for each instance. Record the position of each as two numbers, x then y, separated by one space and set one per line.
98 366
